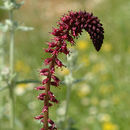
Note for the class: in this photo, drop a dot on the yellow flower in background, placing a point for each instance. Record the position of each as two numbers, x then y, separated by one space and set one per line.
104 77
98 67
106 89
94 101
20 66
85 61
22 85
115 99
109 126
107 47
63 71
82 45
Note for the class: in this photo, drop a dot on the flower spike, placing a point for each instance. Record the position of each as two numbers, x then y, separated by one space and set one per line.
69 27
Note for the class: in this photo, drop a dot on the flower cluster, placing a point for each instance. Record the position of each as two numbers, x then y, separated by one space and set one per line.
70 26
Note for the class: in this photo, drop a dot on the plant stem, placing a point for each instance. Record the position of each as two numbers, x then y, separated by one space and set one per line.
46 100
11 86
67 101
2 40
69 86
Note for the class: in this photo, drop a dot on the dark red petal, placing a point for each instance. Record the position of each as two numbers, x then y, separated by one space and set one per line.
40 88
45 81
54 84
45 109
38 117
41 96
56 79
58 63
47 61
42 129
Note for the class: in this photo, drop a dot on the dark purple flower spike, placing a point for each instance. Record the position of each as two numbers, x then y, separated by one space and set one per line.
69 27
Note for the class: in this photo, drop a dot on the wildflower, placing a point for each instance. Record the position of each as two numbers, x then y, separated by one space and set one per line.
98 68
94 101
105 89
82 45
70 26
104 77
109 126
115 99
61 109
90 119
107 47
20 66
104 103
63 71
85 61
92 110
84 90
5 71
21 89
104 117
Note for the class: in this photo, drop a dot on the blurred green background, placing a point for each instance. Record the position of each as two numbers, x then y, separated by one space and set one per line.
101 102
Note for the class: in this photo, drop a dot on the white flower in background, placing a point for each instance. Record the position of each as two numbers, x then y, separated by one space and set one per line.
8 5
5 71
22 88
32 105
90 119
93 57
30 86
85 101
61 109
19 91
104 103
84 90
69 79
103 117
93 110
117 58
89 76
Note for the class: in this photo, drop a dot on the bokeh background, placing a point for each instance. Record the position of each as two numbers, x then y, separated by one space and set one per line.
101 102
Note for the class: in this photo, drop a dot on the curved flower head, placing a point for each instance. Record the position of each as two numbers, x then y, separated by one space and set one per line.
70 26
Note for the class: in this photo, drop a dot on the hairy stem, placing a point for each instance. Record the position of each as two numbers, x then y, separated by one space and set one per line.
46 100
11 84
69 86
2 41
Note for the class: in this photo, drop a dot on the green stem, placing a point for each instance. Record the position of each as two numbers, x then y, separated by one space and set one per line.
69 86
11 86
67 100
2 49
